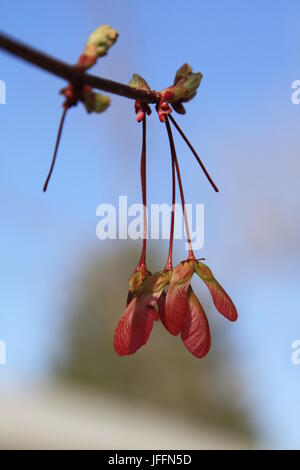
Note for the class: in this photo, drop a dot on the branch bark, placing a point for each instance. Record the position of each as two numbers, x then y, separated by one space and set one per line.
70 73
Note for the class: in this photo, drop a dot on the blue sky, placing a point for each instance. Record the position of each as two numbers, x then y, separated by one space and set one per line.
247 132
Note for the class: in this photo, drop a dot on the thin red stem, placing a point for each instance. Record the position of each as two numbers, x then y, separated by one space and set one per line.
169 264
62 120
142 262
194 152
170 135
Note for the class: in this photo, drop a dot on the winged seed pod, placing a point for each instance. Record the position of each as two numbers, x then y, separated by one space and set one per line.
136 323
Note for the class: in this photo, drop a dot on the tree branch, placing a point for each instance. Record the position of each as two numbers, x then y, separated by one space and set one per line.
70 73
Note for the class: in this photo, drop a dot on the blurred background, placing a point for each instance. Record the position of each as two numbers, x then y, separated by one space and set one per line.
63 290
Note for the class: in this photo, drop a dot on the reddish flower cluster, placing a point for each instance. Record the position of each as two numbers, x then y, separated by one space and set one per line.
179 309
167 295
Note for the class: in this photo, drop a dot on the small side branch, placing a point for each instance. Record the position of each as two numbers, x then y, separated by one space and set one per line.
70 73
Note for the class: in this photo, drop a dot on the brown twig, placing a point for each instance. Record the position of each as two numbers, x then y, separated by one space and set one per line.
70 73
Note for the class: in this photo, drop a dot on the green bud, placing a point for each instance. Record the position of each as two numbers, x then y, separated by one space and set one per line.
182 72
138 82
186 87
103 38
94 102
